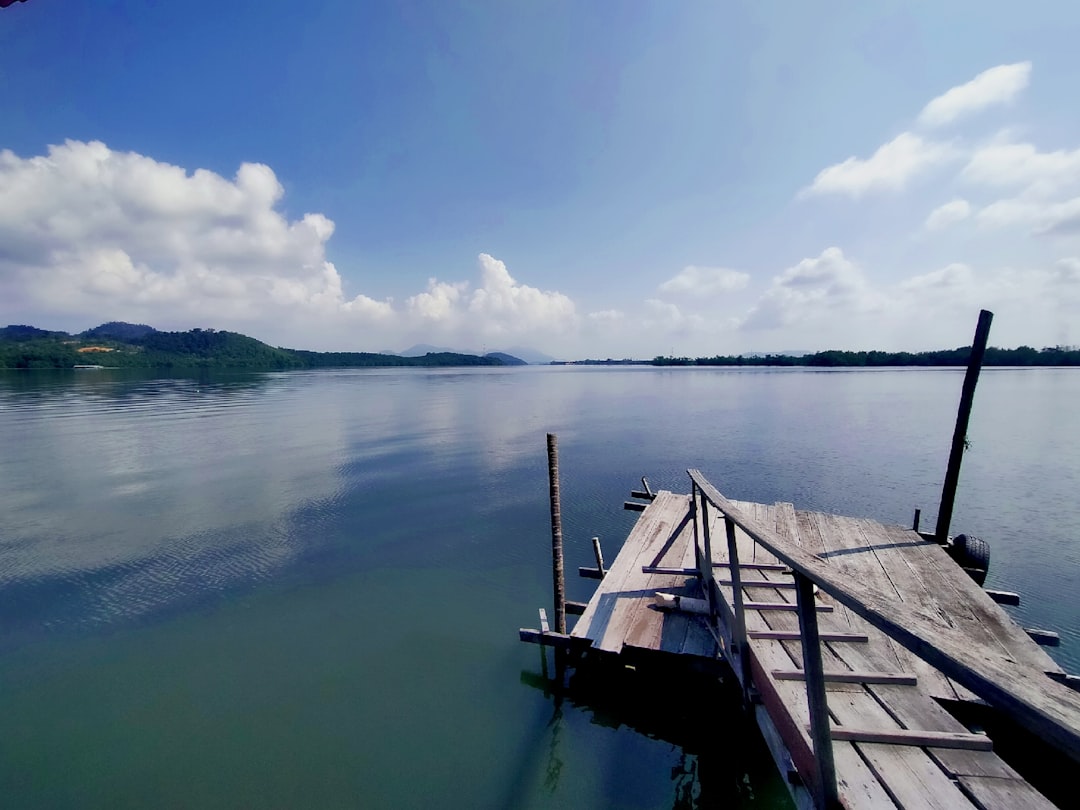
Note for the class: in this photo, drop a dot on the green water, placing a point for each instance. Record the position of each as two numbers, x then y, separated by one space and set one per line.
304 589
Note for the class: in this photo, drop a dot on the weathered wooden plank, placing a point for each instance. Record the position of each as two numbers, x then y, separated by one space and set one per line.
1041 705
900 679
911 777
795 635
991 793
919 739
784 606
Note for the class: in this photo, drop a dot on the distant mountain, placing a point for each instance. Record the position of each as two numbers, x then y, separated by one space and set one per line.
531 356
22 332
506 359
420 349
523 353
118 330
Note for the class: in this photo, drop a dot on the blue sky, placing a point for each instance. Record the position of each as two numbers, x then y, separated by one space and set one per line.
591 179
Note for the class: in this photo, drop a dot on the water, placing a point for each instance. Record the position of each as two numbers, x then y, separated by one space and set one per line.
303 588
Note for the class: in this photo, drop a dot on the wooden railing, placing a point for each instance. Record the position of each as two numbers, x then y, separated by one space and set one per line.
1044 707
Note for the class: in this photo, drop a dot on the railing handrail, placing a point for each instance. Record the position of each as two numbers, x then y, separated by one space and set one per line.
1043 706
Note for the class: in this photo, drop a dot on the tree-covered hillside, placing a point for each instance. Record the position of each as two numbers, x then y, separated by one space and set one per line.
121 345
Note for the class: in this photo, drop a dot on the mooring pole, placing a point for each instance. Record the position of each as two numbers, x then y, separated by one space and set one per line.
959 439
558 577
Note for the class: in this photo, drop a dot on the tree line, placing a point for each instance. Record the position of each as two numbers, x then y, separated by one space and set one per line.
1021 356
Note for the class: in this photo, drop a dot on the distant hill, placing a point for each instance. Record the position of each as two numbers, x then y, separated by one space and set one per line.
118 330
522 353
123 345
507 359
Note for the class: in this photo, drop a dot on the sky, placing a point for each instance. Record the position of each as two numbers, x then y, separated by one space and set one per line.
589 179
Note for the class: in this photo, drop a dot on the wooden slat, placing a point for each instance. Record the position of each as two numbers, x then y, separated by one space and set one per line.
900 679
795 635
783 606
919 739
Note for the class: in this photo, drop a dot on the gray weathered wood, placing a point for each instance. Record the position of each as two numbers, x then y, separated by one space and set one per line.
795 635
899 678
919 739
1048 709
557 575
825 778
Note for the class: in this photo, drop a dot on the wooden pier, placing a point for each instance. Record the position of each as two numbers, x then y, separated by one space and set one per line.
846 637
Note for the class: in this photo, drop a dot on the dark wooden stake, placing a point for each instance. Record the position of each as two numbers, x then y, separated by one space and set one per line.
959 440
918 519
827 796
557 575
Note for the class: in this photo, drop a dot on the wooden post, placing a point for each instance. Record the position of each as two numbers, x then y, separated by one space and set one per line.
917 520
827 796
599 554
959 440
557 575
706 568
739 630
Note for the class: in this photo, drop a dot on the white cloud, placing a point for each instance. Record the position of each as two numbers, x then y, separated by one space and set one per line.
606 316
948 214
814 288
998 85
88 229
1041 216
694 280
1022 165
890 168
439 302
506 306
952 277
96 234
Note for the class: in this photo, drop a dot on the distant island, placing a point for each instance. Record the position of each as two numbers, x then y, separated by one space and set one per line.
1022 356
126 345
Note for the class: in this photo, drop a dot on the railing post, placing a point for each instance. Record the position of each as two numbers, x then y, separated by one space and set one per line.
706 566
827 796
738 638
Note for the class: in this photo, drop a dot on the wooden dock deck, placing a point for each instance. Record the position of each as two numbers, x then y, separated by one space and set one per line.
892 743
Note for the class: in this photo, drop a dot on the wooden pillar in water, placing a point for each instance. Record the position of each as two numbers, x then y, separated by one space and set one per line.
959 441
557 573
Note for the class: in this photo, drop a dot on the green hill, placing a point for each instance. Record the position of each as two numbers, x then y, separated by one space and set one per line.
122 345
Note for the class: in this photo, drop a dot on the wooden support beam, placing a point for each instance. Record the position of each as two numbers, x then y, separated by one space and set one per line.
590 573
599 554
575 608
558 640
1044 638
645 496
557 576
893 678
738 630
794 635
647 488
1004 597
634 506
921 739
544 626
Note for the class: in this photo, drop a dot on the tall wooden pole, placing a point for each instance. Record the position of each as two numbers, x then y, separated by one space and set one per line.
558 577
959 439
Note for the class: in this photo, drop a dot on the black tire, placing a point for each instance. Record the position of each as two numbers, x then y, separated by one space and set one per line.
973 555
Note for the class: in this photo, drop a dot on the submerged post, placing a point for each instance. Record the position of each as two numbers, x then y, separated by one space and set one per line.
959 440
557 575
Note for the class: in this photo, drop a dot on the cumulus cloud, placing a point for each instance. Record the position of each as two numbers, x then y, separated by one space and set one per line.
998 85
1022 165
948 214
101 234
606 316
90 229
890 168
702 281
811 289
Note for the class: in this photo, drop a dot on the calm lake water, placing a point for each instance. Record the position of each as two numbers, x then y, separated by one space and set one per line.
303 589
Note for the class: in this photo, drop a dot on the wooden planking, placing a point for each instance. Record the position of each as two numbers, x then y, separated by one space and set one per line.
908 774
1035 701
991 793
918 739
610 596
